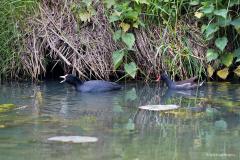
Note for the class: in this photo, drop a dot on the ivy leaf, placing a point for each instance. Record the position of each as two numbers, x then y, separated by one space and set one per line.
211 55
221 12
237 54
117 57
237 71
221 42
223 22
227 59
114 18
210 70
207 9
223 73
125 26
236 23
194 3
131 69
128 39
117 35
210 30
109 3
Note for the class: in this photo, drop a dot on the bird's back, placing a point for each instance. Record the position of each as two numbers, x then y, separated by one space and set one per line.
98 86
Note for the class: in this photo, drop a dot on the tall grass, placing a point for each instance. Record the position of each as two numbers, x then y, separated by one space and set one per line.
12 16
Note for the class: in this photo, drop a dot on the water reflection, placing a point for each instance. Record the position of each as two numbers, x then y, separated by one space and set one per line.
205 127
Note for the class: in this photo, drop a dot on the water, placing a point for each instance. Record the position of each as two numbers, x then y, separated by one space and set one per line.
206 127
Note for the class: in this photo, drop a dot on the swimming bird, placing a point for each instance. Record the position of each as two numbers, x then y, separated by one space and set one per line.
90 86
181 85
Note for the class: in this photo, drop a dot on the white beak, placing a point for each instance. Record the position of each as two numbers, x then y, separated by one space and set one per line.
64 78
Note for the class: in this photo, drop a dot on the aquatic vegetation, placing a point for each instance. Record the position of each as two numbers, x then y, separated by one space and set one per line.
6 107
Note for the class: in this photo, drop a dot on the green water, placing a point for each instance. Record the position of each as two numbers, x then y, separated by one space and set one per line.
206 127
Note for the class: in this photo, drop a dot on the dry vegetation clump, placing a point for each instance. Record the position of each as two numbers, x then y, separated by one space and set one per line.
55 34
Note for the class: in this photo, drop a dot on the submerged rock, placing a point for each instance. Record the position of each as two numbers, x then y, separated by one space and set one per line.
74 139
159 107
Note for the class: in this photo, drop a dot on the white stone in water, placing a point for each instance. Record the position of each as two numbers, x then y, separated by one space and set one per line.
159 107
74 139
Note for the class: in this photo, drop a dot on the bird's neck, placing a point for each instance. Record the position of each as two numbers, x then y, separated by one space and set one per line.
169 82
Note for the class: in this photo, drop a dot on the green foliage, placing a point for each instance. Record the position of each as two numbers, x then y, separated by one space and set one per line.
83 10
12 16
219 19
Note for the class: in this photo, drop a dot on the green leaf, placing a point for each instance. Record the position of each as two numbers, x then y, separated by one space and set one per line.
227 59
223 73
128 39
237 54
236 23
117 35
114 18
117 57
207 9
221 12
223 22
132 15
210 30
194 2
237 71
234 2
109 3
211 55
221 42
210 71
131 69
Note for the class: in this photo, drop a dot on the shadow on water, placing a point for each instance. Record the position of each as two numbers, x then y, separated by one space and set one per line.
205 127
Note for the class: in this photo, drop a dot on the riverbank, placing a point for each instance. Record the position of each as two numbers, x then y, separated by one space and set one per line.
110 40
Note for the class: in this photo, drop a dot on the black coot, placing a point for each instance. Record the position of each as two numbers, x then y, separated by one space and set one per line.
90 86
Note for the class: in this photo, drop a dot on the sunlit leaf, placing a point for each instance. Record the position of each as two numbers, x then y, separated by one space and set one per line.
131 69
128 39
221 42
117 57
223 73
198 14
237 71
221 12
210 71
125 26
227 59
84 16
211 55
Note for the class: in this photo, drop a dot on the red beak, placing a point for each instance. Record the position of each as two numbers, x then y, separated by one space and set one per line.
158 78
